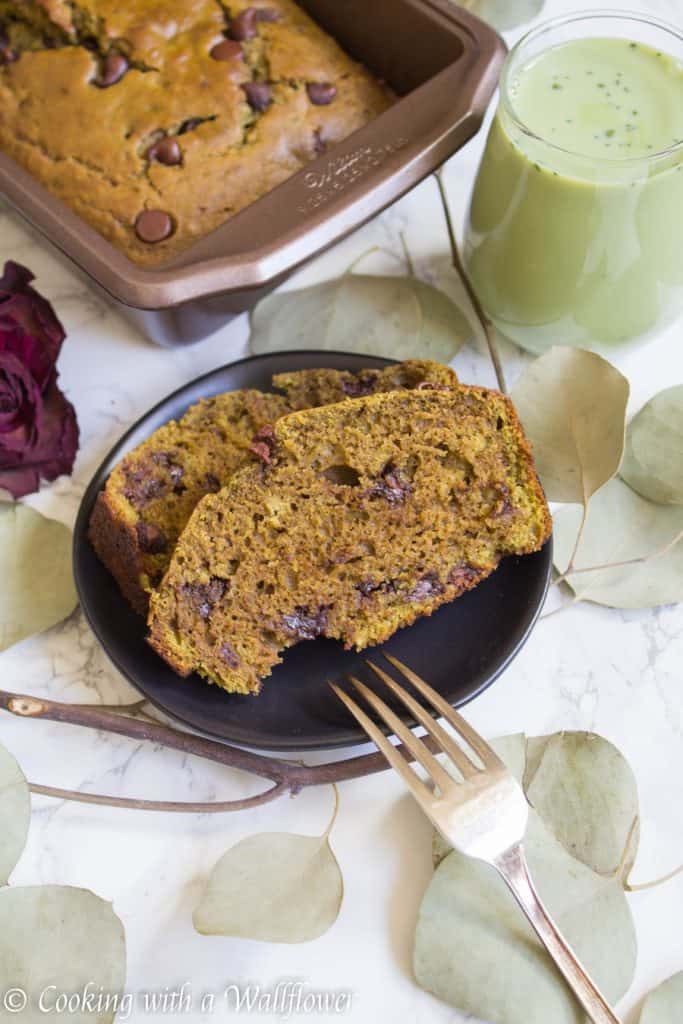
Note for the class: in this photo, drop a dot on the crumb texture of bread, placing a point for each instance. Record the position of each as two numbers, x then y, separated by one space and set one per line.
190 108
310 388
366 515
152 492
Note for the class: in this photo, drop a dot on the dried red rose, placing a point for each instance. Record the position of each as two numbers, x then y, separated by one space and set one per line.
38 428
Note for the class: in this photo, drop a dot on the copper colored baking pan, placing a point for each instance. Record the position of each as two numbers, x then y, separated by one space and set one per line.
441 61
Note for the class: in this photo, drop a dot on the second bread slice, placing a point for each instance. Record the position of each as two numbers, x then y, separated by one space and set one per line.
362 517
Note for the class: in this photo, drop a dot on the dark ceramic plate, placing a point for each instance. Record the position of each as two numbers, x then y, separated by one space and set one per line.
460 650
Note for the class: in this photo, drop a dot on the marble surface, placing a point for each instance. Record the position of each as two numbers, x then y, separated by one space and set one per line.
618 673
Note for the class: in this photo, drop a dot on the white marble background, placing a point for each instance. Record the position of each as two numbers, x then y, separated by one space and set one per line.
618 673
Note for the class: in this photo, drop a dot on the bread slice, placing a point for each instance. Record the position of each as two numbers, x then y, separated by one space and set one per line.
151 494
307 389
360 517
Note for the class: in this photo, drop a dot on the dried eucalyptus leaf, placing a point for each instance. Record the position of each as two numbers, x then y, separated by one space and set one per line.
572 404
398 317
620 526
274 887
475 950
15 812
664 1005
35 568
512 751
504 14
54 935
653 458
585 792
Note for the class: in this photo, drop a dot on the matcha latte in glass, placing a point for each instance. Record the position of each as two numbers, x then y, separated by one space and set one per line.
575 228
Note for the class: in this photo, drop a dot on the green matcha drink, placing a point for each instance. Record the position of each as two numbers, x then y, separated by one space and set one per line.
575 232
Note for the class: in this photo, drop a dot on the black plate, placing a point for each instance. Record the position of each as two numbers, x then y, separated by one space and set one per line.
460 650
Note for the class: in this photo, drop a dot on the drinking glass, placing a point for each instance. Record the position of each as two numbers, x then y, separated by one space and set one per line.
563 248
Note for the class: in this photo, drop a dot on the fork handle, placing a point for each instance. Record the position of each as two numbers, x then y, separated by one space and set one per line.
512 866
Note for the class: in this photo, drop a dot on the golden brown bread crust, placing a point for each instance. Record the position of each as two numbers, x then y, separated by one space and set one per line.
151 493
117 546
90 144
364 516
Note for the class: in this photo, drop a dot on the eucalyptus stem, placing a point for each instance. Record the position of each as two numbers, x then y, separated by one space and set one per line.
287 776
486 325
406 254
173 806
642 886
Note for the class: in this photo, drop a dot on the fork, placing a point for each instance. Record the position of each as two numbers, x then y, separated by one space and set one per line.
483 814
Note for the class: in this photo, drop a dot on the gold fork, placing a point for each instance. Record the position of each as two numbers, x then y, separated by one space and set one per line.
482 814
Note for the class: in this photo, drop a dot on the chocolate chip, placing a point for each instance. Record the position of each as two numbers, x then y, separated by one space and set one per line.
368 587
151 538
428 586
244 25
264 444
504 506
114 67
226 50
212 483
203 596
142 487
261 451
153 226
393 485
166 460
7 54
229 655
259 95
306 624
321 93
165 151
359 385
463 575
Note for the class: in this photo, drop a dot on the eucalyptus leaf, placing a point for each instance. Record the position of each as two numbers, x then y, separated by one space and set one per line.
504 14
274 887
15 812
665 1004
399 317
52 935
572 404
475 950
653 459
35 568
585 792
622 526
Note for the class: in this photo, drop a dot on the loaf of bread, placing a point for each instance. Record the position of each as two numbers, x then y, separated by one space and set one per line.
359 518
156 122
152 492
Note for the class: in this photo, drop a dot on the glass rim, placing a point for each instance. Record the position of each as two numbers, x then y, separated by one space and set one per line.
568 19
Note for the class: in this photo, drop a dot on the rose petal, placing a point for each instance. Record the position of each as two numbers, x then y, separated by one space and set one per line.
20 403
19 482
15 278
28 324
56 444
38 428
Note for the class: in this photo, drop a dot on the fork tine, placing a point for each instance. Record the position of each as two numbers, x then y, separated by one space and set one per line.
488 756
462 762
420 752
399 763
